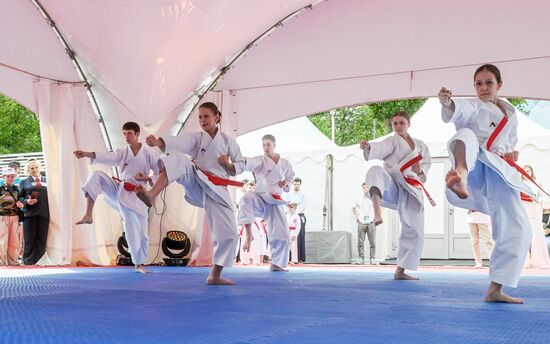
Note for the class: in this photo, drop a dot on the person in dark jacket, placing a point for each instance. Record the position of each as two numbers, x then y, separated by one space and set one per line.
34 196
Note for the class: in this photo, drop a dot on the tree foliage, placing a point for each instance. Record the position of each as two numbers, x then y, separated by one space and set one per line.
367 122
363 122
19 128
521 104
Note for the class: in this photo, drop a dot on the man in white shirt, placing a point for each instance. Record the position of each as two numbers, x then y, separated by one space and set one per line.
298 197
363 212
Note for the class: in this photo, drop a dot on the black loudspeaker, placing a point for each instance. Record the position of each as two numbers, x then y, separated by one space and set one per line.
122 246
176 261
176 240
122 260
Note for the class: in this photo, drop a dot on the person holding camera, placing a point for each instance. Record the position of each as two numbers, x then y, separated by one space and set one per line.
9 218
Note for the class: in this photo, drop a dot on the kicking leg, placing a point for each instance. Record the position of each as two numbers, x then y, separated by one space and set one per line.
376 198
457 178
148 196
87 218
248 237
98 183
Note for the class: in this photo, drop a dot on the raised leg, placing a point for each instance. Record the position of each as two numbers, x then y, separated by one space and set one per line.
87 218
457 178
376 198
148 196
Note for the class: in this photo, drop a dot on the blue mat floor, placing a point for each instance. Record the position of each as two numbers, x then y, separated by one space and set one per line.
173 305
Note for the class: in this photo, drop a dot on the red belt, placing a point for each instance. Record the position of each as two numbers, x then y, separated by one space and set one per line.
277 197
525 197
523 173
218 180
417 183
127 186
414 182
510 162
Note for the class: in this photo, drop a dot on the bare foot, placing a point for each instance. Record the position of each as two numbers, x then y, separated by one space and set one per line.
274 267
247 243
143 196
457 183
499 296
478 266
87 219
218 281
401 275
141 269
404 277
378 221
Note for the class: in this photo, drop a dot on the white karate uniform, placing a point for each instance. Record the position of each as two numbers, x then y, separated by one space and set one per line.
133 212
294 225
538 257
397 194
493 184
262 203
256 249
200 191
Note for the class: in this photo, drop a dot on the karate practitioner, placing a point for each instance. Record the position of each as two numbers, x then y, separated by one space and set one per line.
214 158
135 162
240 192
300 198
257 248
294 226
482 178
538 254
273 176
398 185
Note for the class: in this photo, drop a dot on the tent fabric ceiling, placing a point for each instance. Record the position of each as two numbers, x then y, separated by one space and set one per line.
29 50
354 51
29 44
148 57
148 60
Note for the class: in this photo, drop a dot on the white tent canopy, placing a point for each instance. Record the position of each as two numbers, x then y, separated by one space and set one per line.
297 139
354 52
541 113
150 61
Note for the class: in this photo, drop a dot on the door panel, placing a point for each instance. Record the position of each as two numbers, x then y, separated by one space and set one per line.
435 218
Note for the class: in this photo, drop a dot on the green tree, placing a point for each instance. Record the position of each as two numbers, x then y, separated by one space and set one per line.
363 122
521 104
19 128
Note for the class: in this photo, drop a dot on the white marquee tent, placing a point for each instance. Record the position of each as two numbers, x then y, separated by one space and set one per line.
87 66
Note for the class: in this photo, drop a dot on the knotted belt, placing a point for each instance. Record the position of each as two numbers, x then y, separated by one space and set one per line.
511 162
415 182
